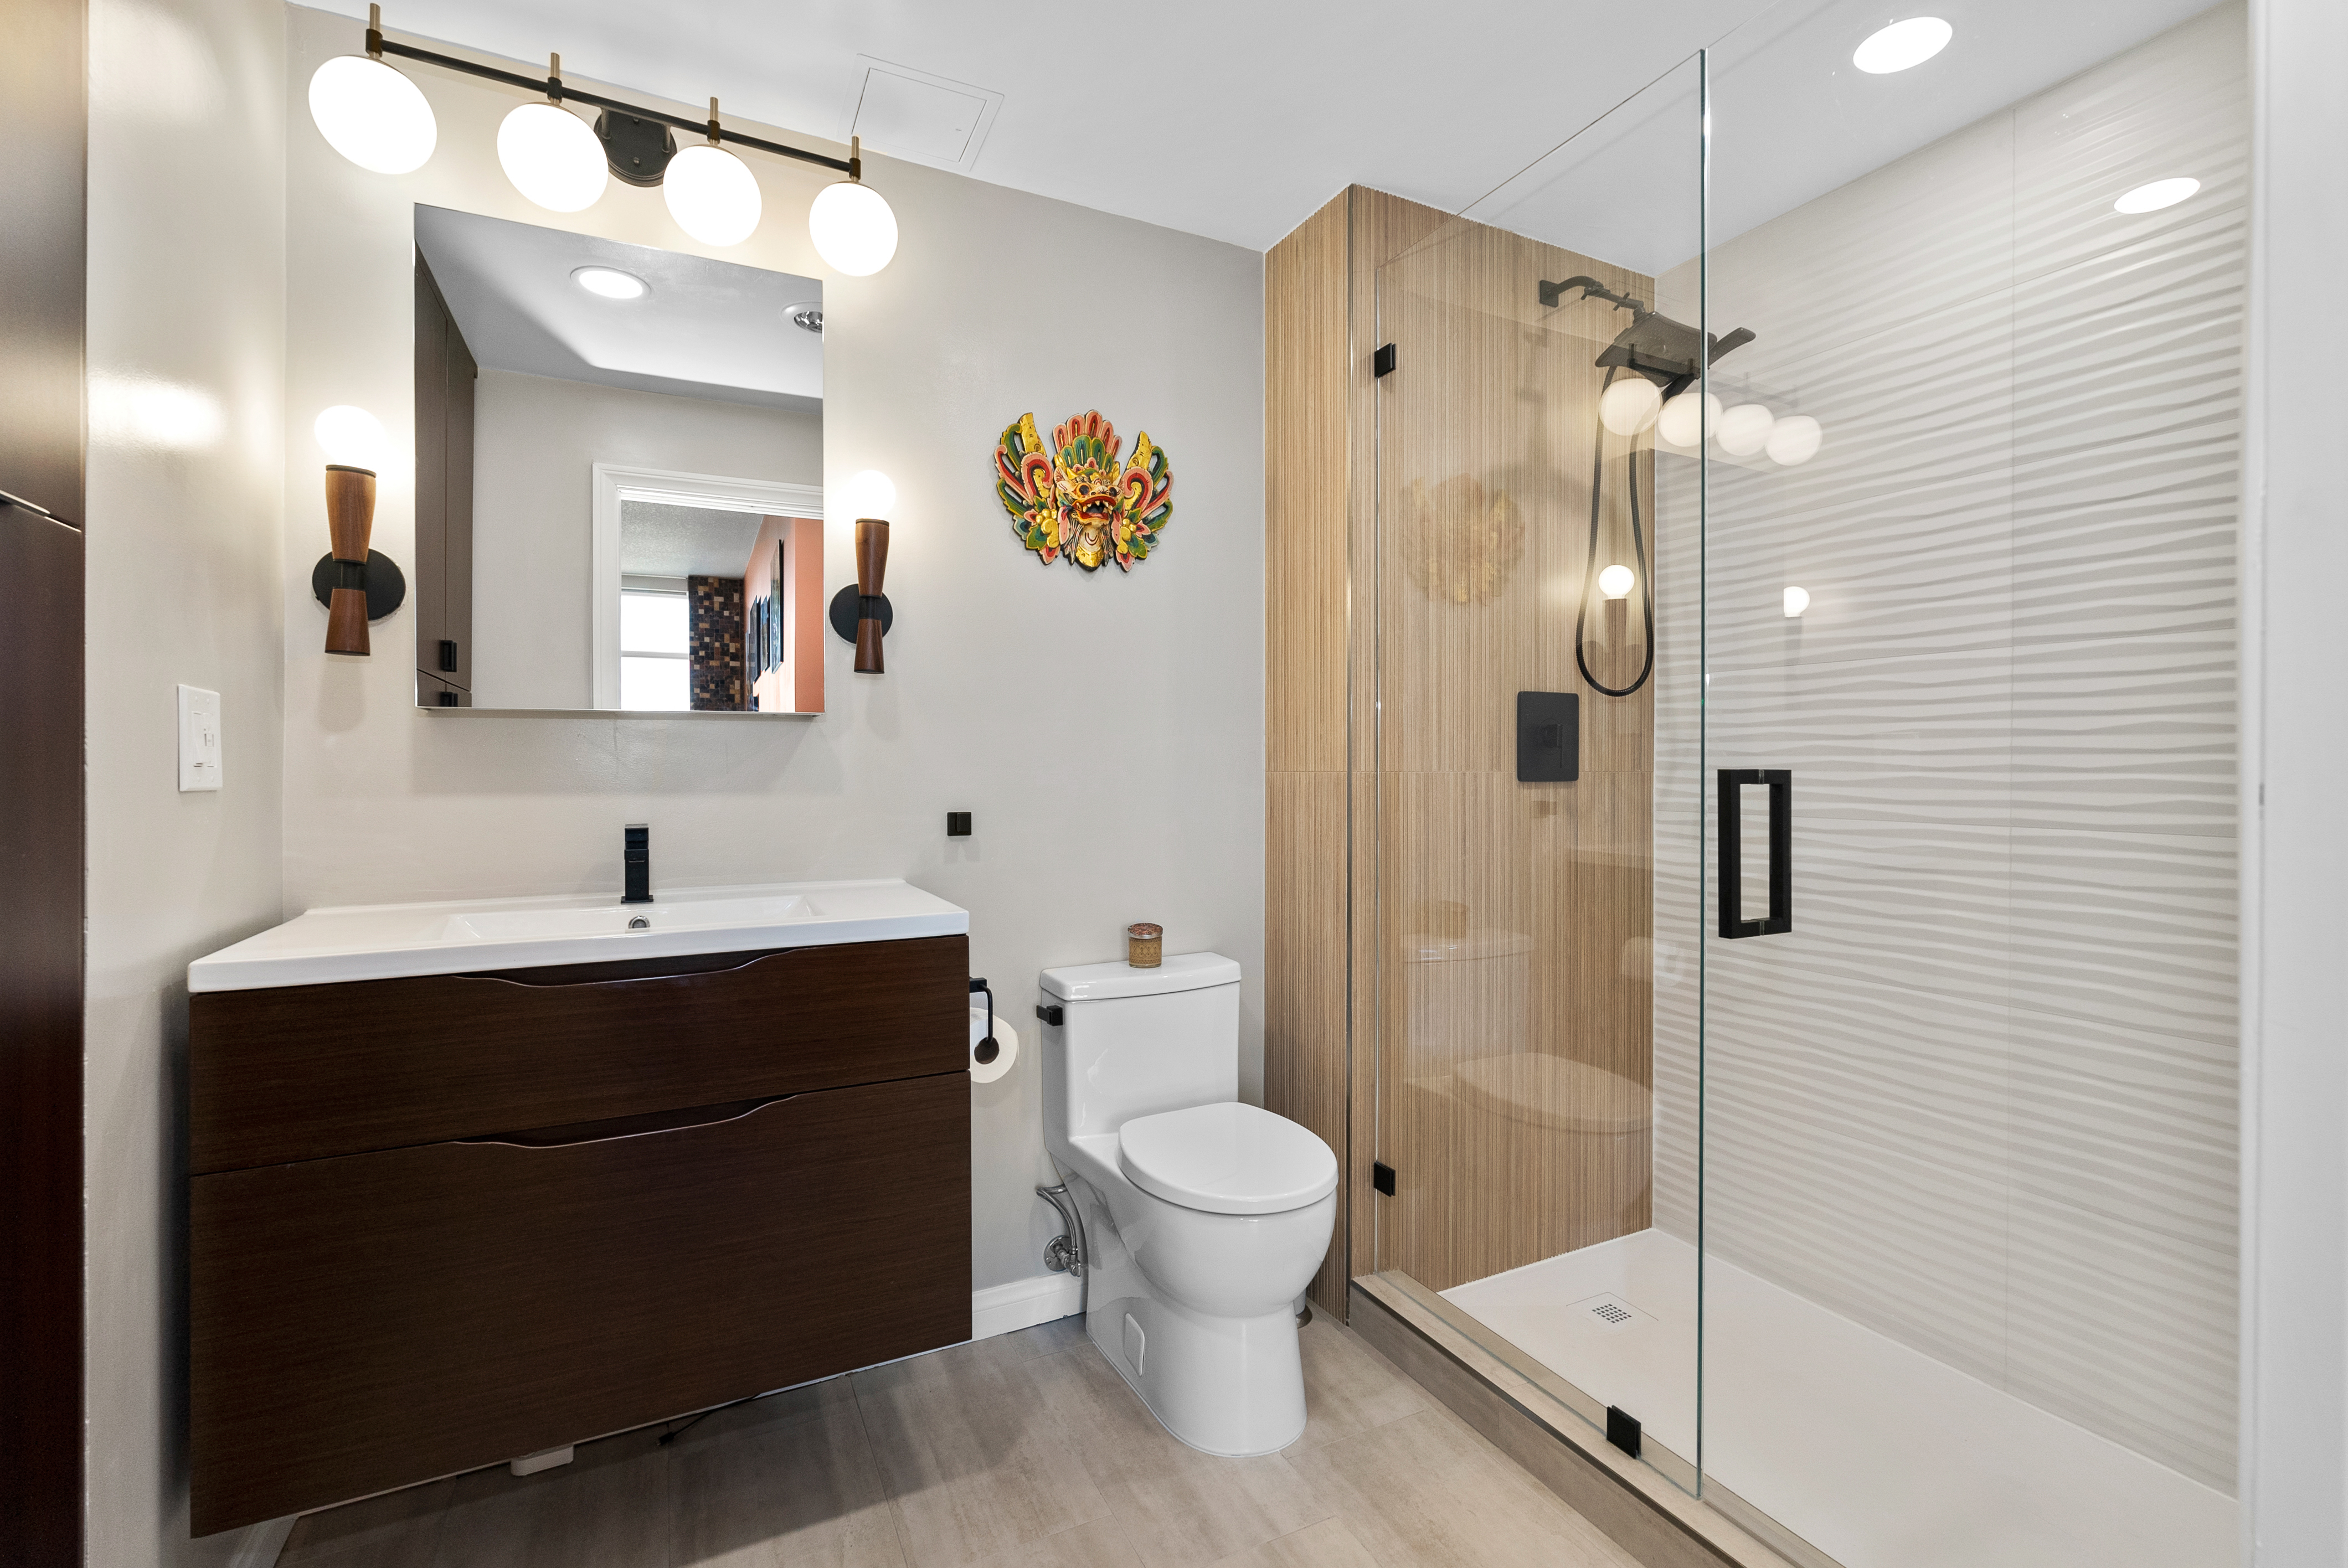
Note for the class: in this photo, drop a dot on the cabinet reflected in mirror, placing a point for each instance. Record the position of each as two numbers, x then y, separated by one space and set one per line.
618 485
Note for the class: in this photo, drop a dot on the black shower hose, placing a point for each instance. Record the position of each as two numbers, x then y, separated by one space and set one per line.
1638 553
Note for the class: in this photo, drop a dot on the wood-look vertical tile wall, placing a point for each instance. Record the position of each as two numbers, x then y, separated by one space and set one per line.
1409 871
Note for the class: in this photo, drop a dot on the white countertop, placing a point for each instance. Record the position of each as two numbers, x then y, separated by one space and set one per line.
381 941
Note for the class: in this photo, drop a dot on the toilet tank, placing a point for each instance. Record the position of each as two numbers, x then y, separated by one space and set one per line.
1133 1043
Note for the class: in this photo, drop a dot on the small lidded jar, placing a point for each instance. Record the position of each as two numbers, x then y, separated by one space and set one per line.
1145 946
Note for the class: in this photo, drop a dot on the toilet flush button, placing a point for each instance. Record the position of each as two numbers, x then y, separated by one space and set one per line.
1137 1344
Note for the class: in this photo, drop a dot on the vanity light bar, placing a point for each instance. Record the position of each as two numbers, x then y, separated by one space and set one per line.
377 46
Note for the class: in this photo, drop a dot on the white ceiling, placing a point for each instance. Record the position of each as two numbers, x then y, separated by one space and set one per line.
1235 118
706 328
660 540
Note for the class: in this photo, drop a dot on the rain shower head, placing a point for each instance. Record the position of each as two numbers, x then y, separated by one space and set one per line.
1668 353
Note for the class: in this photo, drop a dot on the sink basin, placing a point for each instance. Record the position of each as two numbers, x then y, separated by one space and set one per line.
384 942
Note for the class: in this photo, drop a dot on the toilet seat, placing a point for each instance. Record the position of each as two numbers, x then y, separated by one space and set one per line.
1227 1158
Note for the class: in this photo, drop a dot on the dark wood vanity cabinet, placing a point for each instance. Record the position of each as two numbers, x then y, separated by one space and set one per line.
436 1224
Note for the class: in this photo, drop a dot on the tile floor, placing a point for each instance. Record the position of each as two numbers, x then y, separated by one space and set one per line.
1022 1451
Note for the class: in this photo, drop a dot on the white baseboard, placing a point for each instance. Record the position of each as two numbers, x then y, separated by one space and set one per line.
1022 1304
263 1543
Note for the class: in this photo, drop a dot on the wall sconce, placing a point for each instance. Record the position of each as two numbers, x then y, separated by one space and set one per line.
378 120
860 612
354 583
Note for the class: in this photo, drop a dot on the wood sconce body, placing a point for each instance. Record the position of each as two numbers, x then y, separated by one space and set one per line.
871 564
350 519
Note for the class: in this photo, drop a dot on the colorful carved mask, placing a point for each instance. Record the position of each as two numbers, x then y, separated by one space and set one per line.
1074 498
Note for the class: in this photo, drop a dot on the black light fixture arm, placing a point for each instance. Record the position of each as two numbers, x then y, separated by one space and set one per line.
552 86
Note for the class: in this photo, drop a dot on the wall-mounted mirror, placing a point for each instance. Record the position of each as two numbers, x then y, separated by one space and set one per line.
619 475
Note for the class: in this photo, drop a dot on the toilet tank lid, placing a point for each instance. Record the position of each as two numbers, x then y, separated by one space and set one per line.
1179 972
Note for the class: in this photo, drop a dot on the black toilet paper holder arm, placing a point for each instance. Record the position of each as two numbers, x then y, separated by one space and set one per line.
986 1050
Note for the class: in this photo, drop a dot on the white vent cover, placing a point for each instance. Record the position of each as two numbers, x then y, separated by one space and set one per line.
1607 1314
916 115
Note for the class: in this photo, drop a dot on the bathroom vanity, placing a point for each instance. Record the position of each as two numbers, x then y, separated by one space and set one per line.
472 1181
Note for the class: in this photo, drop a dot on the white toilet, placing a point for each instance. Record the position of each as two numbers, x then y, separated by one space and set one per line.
1204 1218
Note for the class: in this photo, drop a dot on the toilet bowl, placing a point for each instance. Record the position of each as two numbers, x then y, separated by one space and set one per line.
1204 1217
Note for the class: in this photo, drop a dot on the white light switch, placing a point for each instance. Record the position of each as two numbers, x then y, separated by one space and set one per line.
199 739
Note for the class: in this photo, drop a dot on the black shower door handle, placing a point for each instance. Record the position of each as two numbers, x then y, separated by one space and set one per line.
1780 918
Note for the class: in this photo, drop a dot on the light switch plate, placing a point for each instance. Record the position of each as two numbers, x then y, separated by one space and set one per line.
199 739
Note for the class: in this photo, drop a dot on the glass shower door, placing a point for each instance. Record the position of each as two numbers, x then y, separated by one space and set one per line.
1968 986
1534 1022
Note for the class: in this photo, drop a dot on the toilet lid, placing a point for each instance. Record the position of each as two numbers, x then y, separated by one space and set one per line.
1227 1159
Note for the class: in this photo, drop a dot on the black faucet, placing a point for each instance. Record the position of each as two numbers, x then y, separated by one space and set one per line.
638 860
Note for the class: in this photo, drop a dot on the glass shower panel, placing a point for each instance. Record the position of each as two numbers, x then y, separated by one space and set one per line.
1968 1272
1535 1025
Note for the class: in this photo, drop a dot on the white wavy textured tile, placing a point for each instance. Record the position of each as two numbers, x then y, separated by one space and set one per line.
1981 1097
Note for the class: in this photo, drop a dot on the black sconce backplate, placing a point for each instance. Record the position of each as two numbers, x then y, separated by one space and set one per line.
844 607
387 585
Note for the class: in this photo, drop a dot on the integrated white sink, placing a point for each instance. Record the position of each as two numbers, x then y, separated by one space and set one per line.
380 941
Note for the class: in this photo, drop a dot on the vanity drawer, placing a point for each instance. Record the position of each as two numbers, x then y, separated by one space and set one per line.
304 1072
367 1322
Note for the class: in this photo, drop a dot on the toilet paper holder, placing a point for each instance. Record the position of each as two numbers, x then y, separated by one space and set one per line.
987 1049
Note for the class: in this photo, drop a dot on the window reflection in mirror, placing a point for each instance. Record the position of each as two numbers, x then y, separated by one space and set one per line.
619 475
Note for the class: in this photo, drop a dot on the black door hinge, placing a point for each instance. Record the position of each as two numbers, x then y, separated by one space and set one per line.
1623 1430
448 653
1381 1177
1382 362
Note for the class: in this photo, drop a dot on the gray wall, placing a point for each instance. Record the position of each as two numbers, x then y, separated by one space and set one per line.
1982 1097
535 440
1107 730
186 310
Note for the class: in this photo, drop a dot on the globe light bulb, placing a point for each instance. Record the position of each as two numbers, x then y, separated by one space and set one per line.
1798 600
352 438
1628 407
1902 45
854 230
1684 419
372 115
2161 193
1744 429
1793 440
1616 581
713 195
552 157
869 494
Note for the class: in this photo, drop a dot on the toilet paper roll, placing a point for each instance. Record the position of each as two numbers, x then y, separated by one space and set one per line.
1006 1043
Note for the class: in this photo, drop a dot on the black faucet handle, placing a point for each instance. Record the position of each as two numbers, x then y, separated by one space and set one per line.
636 862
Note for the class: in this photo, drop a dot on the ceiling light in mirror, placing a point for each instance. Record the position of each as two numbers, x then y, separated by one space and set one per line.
2161 193
713 195
352 438
1798 600
552 157
1616 581
610 282
807 318
1902 46
854 230
871 493
372 115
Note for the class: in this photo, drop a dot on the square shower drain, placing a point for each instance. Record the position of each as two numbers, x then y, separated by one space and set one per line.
1607 1314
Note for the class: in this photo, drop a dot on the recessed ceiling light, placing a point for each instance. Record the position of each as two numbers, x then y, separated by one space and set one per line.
1902 45
610 282
807 318
2161 193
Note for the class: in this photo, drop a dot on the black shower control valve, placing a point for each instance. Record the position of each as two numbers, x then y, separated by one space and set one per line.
957 825
1382 362
1051 1014
1381 1177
